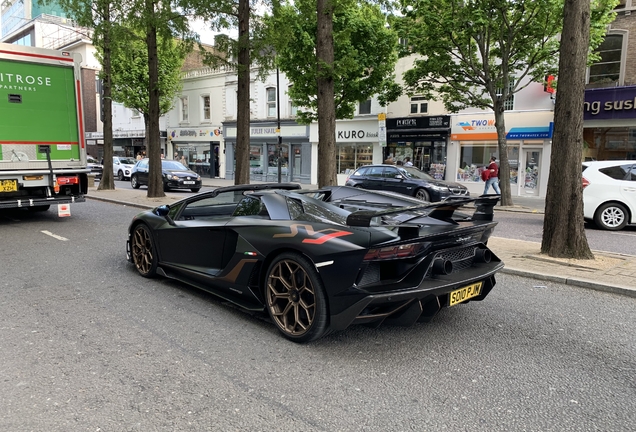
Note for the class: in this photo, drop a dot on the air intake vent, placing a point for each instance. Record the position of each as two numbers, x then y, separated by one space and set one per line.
14 98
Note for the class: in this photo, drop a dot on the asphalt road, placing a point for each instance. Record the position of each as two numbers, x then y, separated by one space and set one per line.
88 345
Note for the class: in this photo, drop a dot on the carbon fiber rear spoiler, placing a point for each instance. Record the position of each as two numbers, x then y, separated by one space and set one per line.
441 210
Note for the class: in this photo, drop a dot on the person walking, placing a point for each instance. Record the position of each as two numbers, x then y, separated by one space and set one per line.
493 178
407 161
389 160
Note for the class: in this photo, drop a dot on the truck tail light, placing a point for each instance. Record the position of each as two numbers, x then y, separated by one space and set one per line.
67 180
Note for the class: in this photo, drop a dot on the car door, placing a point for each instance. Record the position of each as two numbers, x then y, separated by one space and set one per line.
374 178
397 181
194 244
628 189
142 172
116 165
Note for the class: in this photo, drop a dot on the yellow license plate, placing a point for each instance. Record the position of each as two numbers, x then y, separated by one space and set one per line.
8 185
465 293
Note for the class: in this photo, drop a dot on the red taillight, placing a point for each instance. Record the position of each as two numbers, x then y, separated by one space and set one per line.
63 181
586 182
392 252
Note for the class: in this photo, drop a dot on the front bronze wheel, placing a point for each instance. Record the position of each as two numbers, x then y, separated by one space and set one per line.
295 298
143 252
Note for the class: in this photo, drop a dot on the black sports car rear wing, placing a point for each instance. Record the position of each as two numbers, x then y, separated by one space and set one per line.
441 210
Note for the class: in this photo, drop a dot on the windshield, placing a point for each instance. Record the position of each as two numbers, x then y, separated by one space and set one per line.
129 161
412 172
173 165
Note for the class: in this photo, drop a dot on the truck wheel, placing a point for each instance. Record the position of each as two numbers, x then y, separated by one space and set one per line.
120 175
134 182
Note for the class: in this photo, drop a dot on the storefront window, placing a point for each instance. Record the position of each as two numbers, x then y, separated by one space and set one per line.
474 158
618 143
272 159
256 160
354 155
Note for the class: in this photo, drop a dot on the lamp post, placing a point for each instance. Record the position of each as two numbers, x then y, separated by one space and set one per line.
280 137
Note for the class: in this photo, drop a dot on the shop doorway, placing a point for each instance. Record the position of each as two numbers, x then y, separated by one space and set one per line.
532 172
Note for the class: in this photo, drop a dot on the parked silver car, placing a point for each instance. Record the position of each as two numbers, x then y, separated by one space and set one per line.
122 167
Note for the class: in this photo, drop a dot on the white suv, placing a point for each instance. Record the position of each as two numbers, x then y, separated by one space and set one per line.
122 167
609 193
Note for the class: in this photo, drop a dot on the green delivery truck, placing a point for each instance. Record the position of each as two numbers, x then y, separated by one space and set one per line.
42 145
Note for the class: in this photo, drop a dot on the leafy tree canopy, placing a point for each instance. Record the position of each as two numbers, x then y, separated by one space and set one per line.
365 55
130 70
469 51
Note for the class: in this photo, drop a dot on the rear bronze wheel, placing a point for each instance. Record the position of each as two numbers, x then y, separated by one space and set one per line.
295 298
143 252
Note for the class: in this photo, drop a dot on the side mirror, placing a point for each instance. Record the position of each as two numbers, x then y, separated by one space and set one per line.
163 210
399 177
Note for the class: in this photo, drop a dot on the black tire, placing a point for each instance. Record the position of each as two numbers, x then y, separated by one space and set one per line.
143 251
195 190
611 216
165 187
134 182
39 208
120 175
295 298
422 195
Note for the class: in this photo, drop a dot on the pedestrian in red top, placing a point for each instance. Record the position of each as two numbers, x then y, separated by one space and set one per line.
493 179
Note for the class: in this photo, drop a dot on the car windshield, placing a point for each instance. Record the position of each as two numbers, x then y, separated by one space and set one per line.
129 161
411 172
173 165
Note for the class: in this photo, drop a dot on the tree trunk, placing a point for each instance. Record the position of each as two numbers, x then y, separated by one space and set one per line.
563 224
107 182
502 145
155 177
326 95
242 147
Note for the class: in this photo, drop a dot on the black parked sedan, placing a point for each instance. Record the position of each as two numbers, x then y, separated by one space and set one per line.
405 180
321 260
175 175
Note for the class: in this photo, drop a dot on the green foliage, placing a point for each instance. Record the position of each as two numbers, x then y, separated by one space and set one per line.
364 48
469 51
129 70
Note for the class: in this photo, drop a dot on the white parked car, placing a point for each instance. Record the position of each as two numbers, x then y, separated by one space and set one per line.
609 193
122 167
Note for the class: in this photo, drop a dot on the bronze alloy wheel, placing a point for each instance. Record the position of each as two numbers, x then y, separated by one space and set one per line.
295 299
143 251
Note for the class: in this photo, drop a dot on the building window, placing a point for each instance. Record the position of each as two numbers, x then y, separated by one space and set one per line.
293 109
509 103
135 113
271 102
184 109
608 69
418 106
365 107
352 156
205 103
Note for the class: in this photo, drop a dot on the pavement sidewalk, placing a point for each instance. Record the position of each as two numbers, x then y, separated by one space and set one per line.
608 272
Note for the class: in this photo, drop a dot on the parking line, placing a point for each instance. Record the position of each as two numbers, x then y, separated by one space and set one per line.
49 233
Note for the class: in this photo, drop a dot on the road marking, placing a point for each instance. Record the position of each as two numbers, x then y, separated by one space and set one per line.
623 234
49 233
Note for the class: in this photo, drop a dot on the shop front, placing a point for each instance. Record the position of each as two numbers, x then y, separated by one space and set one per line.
292 158
356 145
610 124
126 143
529 140
422 139
197 148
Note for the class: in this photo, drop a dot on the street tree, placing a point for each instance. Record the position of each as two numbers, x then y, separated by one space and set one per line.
563 224
480 53
158 22
99 20
239 54
359 64
130 72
